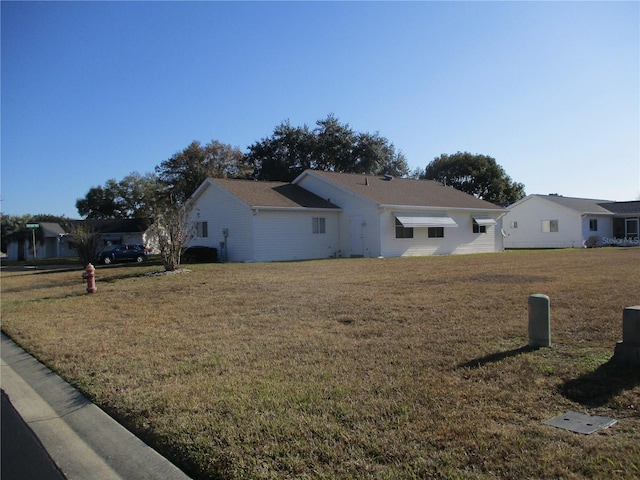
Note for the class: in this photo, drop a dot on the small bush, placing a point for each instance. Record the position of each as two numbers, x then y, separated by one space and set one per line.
591 242
200 255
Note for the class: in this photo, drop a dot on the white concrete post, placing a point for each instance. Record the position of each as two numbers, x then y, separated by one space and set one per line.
628 350
539 321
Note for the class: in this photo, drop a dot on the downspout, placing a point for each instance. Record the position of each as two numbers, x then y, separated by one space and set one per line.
255 212
225 234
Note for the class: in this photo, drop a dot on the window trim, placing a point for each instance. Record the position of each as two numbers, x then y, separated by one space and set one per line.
318 225
402 231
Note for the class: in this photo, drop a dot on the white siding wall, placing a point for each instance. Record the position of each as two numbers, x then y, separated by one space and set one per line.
362 232
221 210
288 235
456 240
529 216
263 235
605 228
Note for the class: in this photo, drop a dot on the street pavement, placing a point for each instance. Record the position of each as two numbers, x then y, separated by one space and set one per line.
50 431
23 456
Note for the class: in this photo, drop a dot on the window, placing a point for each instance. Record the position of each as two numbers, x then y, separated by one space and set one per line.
202 230
593 225
402 231
631 227
549 226
318 224
479 228
513 224
435 232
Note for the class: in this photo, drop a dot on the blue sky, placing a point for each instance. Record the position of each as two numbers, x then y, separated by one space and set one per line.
97 90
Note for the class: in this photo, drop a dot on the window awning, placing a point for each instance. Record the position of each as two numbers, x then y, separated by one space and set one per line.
484 221
414 220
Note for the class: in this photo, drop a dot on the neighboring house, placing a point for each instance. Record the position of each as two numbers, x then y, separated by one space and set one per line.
626 223
55 240
52 240
326 214
553 221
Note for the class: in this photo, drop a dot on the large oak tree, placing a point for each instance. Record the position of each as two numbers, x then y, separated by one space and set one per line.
477 175
331 146
186 170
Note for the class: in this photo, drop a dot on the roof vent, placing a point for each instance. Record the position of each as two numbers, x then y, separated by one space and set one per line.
388 177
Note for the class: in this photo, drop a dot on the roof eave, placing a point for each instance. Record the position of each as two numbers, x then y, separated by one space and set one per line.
299 209
430 207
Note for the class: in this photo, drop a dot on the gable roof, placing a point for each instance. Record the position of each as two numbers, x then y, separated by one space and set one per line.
384 190
51 229
272 194
581 206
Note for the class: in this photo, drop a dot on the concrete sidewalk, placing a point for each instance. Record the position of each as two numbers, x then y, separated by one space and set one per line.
81 439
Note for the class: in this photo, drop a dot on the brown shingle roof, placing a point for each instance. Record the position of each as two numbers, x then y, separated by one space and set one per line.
404 191
272 194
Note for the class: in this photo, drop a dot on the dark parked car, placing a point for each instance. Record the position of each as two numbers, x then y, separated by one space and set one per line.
123 253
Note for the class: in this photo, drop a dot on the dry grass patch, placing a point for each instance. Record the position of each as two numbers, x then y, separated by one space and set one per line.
367 368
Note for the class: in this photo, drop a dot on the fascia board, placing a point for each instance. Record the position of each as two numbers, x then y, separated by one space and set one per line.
442 209
599 214
201 188
294 209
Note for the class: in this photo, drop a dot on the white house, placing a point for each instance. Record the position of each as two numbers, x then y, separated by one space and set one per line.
327 214
553 221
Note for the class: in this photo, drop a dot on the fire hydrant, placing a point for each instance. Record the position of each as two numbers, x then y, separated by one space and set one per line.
89 276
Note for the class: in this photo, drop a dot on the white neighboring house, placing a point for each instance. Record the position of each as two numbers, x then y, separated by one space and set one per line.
553 221
327 214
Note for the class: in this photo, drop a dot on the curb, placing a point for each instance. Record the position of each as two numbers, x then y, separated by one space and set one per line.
82 440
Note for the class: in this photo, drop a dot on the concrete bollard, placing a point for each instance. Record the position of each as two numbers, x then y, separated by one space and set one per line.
628 350
539 321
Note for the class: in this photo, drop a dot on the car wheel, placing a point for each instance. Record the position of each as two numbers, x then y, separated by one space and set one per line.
107 260
139 258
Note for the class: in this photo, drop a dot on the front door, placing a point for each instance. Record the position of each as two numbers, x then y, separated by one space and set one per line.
356 235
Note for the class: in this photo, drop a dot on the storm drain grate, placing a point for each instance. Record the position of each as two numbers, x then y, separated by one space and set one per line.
581 422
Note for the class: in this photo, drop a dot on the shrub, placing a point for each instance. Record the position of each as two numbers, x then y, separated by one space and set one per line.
200 255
